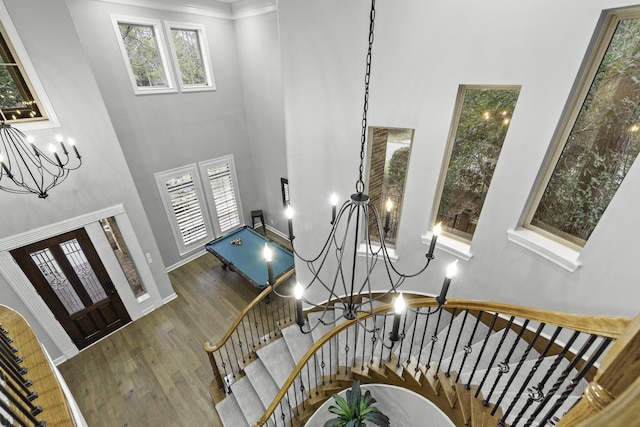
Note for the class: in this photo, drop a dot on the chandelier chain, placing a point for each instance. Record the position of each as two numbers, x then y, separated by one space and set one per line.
367 76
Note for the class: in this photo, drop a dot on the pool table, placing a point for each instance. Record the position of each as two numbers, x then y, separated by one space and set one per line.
246 258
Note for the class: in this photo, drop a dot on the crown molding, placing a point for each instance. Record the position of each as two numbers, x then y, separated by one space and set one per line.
212 8
248 8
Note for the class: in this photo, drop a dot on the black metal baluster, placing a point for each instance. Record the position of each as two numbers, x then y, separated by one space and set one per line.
523 387
467 348
517 368
306 365
455 346
265 318
255 323
346 350
246 338
27 398
16 376
446 339
302 393
27 412
276 325
226 348
535 393
33 409
413 334
7 343
315 370
495 355
330 363
13 363
14 416
235 354
574 382
585 347
434 340
484 344
322 364
374 339
504 365
240 345
355 343
404 325
384 331
424 334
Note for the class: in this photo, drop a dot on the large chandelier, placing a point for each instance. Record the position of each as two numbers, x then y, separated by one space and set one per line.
352 278
26 169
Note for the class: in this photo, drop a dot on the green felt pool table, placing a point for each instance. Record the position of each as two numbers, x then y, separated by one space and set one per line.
247 260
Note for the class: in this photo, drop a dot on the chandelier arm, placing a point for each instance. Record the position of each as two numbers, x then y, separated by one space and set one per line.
327 242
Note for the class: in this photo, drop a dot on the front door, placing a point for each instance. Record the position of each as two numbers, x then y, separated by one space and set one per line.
68 274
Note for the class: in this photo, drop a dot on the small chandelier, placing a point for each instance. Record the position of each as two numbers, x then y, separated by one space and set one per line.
352 278
25 169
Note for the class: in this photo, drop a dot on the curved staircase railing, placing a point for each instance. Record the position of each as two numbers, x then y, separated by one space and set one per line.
482 363
30 391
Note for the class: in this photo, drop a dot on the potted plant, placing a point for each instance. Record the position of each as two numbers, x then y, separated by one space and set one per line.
356 410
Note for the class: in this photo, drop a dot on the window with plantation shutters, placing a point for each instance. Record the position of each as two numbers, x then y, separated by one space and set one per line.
223 196
201 201
182 194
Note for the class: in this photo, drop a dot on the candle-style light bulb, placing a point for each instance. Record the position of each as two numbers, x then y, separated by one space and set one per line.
298 291
451 271
334 202
399 306
59 138
436 232
52 148
388 216
72 143
289 213
267 253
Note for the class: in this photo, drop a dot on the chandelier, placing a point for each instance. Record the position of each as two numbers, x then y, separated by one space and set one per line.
25 169
348 287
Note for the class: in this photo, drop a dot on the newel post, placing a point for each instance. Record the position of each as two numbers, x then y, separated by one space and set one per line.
217 384
619 369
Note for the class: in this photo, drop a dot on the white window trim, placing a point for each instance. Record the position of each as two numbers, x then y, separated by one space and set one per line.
204 176
50 120
160 40
161 178
204 51
548 248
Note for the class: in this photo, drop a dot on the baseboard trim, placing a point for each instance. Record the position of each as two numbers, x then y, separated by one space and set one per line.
186 260
169 298
277 232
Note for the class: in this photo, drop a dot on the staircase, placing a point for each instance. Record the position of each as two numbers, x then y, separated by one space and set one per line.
483 364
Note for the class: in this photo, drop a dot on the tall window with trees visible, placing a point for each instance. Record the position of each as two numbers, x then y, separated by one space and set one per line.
389 150
17 96
142 46
479 128
601 137
190 54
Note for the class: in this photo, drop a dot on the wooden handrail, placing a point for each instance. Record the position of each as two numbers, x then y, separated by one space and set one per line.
209 348
607 326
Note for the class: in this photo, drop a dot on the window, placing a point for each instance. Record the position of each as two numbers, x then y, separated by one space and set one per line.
22 97
284 189
600 138
223 195
201 201
481 121
189 48
142 47
389 151
183 198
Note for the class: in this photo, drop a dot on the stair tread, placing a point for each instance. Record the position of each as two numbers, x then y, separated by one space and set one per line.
230 413
262 382
248 400
277 360
297 342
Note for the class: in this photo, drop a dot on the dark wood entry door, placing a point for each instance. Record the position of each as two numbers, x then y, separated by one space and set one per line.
67 272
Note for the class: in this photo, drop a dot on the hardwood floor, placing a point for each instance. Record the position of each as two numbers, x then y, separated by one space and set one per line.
154 372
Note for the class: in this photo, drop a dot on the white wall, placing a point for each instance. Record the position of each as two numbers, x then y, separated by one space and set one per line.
259 56
423 51
104 179
164 131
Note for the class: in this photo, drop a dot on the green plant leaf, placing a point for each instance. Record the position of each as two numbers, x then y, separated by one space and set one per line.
335 422
377 417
